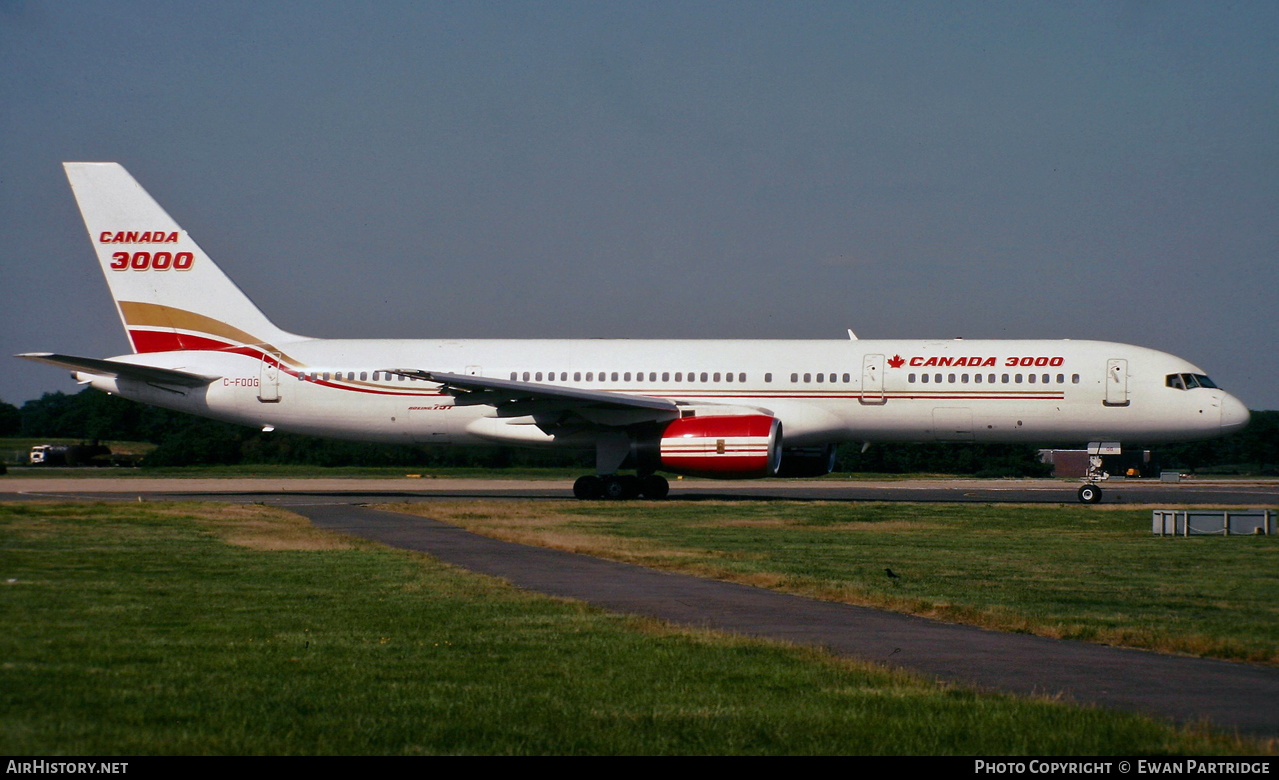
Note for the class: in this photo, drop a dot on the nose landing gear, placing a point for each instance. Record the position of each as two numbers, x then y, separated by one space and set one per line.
1091 492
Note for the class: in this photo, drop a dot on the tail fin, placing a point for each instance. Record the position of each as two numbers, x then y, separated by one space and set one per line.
169 293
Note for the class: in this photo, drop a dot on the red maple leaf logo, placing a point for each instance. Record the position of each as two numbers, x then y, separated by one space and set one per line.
896 361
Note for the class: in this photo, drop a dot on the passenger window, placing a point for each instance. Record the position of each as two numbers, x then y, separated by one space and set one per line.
625 377
1032 379
666 377
679 376
767 378
525 376
937 378
963 379
1004 378
847 378
1074 379
924 378
977 378
808 377
794 377
728 377
715 378
820 377
614 376
1061 379
951 379
911 379
1018 379
590 376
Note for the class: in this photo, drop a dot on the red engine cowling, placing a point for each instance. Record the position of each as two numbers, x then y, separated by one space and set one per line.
728 447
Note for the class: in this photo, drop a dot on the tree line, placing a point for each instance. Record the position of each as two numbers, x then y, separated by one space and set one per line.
184 440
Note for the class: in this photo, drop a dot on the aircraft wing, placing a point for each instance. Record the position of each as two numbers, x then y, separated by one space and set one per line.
149 374
526 397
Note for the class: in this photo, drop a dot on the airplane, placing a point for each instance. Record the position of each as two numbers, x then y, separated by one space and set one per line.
714 408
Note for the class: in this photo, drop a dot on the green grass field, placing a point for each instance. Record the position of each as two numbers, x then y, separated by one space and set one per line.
1091 573
197 629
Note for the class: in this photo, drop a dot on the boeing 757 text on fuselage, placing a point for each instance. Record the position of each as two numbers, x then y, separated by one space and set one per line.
728 409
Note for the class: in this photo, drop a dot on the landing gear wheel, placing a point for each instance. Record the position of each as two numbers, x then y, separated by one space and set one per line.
630 487
1090 494
588 487
616 488
654 487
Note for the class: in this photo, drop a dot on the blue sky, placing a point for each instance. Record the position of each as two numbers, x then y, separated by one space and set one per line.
664 170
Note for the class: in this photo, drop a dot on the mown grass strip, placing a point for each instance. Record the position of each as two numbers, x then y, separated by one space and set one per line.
1090 573
198 629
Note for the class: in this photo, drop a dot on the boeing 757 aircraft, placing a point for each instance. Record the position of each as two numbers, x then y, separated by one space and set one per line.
729 409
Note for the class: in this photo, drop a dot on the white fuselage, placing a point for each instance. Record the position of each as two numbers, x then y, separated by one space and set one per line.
822 392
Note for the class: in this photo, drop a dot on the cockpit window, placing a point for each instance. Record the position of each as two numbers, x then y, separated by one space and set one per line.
1188 381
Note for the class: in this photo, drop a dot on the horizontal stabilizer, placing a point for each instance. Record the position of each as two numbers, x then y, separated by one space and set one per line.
151 374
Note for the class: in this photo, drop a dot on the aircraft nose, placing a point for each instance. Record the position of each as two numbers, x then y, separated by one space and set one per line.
1234 415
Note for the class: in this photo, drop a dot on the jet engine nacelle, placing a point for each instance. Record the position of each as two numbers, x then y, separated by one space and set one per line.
727 446
807 461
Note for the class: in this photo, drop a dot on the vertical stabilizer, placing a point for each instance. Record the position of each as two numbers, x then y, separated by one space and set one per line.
168 292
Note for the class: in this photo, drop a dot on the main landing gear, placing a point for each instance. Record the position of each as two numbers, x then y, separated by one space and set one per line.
618 487
1090 494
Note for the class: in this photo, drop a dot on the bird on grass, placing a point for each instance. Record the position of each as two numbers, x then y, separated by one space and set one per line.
890 574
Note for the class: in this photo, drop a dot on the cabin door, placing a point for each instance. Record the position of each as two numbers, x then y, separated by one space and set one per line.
1116 382
269 378
873 380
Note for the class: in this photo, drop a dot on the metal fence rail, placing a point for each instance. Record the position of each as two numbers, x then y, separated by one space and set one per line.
1213 522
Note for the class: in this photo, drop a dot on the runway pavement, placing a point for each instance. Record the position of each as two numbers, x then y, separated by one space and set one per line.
1229 493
